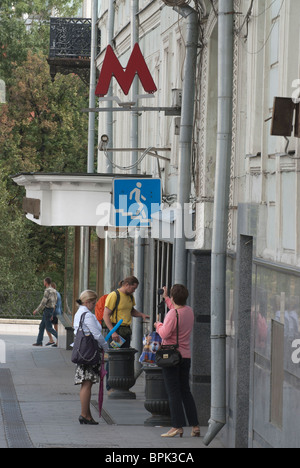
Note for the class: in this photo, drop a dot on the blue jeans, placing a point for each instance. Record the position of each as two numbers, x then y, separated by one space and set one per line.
179 394
46 324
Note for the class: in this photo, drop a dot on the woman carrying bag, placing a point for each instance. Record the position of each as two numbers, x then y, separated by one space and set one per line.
88 374
178 324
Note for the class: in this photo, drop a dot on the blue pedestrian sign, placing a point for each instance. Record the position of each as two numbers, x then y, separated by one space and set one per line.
135 201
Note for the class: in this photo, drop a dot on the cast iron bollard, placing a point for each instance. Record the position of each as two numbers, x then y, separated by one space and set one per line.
156 398
121 373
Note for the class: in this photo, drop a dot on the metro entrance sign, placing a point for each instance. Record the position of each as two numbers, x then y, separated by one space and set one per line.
136 201
112 67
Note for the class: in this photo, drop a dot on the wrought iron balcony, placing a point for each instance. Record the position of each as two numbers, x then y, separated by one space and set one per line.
70 46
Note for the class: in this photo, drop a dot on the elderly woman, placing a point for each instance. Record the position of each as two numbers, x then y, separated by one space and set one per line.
87 375
177 378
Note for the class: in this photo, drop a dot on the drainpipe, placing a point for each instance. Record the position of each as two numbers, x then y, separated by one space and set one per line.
92 97
137 323
109 114
220 221
135 84
185 140
110 133
85 231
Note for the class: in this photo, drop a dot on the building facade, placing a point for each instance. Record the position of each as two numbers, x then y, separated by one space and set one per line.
262 284
262 305
263 232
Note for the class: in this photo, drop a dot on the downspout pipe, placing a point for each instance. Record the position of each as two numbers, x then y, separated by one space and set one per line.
185 140
92 97
84 231
110 133
135 85
220 221
109 114
139 242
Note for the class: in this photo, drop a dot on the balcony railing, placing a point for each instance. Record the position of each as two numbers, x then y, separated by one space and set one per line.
70 37
70 46
19 304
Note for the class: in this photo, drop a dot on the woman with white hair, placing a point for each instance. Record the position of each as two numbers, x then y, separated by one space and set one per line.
87 375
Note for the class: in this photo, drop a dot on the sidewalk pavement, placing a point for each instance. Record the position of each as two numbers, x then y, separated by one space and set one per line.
40 404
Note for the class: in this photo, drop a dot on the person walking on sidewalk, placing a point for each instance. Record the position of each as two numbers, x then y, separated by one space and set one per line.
177 378
87 375
47 306
57 311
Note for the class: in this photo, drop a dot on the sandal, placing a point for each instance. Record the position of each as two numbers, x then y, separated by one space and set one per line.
195 432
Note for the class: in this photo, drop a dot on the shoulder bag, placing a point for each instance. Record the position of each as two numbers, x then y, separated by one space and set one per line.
169 355
86 349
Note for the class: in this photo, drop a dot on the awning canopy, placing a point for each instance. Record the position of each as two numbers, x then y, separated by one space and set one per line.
66 199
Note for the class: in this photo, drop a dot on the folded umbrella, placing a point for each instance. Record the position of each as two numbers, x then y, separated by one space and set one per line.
101 386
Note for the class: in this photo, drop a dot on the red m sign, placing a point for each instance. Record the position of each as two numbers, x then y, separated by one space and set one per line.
112 67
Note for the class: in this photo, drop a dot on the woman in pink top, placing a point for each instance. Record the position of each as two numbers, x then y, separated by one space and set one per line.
177 378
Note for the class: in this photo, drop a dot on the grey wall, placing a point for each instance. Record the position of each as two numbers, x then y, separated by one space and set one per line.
199 287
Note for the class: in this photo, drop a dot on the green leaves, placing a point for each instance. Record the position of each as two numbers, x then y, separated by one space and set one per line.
24 27
42 128
17 255
41 9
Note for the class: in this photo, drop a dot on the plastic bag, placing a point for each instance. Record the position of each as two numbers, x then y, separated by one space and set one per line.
152 343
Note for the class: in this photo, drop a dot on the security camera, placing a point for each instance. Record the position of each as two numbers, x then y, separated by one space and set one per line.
103 143
104 139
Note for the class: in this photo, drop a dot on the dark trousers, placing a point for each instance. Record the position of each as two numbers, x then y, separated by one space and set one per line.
46 324
181 400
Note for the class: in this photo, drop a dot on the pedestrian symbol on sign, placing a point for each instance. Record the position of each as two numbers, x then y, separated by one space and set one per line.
137 195
135 201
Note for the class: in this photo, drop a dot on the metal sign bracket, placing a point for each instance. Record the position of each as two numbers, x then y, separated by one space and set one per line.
169 111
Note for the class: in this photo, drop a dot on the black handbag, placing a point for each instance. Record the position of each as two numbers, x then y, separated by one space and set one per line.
169 355
86 349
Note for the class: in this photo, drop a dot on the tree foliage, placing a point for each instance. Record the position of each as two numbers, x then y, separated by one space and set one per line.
17 253
24 27
42 129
